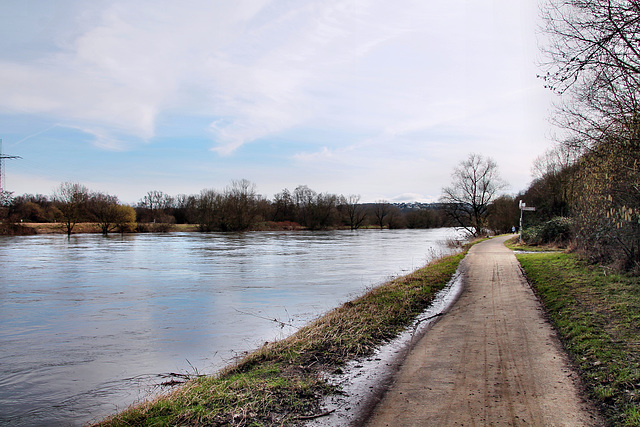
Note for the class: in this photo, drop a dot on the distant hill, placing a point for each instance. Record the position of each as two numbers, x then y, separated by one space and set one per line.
410 206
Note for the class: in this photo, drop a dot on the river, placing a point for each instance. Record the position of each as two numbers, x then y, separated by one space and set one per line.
90 324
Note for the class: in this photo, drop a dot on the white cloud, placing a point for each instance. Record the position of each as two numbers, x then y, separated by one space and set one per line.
74 98
405 82
261 67
123 72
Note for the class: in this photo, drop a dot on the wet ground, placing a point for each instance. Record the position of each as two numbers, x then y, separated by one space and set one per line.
365 381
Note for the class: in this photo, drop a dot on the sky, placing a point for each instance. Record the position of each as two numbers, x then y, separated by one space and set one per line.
367 97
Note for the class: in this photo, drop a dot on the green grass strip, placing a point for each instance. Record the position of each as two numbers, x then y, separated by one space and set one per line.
283 382
597 314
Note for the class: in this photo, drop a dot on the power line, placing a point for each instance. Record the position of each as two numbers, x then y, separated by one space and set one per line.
2 167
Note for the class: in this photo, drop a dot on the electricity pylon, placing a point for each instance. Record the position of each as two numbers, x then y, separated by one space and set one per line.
2 158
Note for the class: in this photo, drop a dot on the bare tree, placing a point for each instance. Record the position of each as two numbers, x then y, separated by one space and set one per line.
284 207
71 199
593 58
185 208
240 207
356 214
555 160
157 204
475 183
235 209
104 208
322 211
422 218
381 210
553 188
304 198
395 219
209 209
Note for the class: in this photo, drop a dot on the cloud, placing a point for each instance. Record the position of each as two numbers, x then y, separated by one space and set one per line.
256 67
323 155
137 61
327 86
74 98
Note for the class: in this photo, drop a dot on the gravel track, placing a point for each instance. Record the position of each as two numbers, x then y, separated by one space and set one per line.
493 359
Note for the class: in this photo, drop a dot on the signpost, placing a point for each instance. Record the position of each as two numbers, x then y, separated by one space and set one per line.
524 207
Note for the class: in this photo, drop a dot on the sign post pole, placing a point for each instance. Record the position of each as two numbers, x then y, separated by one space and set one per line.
524 207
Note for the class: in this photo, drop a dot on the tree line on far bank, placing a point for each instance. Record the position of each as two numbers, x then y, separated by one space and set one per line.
238 207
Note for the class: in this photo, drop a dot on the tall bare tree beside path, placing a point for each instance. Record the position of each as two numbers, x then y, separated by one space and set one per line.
475 183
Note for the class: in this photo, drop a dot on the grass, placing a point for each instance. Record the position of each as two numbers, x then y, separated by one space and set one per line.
269 394
515 245
283 382
597 315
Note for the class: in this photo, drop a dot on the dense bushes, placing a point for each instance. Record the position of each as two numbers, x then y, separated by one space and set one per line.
11 229
600 192
557 231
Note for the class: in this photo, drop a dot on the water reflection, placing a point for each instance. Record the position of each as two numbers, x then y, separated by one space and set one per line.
87 323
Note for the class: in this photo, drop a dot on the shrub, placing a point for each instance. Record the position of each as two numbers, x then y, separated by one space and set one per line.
12 229
557 231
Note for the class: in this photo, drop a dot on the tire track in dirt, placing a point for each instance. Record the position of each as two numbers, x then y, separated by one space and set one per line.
492 360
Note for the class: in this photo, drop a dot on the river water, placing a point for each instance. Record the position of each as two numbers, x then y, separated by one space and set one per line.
90 324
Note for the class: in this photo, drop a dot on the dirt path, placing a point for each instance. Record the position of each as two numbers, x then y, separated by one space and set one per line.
492 360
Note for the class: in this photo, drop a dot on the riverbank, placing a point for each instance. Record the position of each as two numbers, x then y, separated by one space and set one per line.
32 228
596 312
284 382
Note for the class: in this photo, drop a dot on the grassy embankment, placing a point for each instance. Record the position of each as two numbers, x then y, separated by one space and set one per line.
282 382
597 315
